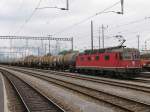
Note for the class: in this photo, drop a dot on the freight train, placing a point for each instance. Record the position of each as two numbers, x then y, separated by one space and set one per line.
119 61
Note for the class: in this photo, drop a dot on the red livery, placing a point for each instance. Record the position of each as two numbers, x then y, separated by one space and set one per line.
115 59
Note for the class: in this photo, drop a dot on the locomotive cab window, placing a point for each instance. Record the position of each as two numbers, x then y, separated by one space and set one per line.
132 55
106 57
127 56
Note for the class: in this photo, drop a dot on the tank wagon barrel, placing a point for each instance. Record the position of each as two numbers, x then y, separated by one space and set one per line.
69 60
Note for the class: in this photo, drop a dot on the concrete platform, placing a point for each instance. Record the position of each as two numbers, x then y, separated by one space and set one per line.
1 94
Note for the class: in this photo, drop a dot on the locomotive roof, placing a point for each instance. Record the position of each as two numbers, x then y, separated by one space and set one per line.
110 49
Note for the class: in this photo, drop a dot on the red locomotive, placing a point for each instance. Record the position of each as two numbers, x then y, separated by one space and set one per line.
110 60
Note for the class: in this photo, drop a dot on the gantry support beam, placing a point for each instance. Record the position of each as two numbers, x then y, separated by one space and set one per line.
35 38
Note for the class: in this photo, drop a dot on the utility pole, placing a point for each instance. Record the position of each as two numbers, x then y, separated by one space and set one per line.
103 36
138 37
72 43
122 6
145 45
67 5
99 32
38 51
27 45
92 35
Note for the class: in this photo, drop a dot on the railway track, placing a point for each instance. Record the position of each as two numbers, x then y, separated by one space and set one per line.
143 80
31 98
119 83
145 74
128 104
131 84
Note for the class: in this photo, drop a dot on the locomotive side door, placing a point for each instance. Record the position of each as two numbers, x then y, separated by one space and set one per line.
118 58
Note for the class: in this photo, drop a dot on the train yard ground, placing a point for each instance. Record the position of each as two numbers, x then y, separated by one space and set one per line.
28 89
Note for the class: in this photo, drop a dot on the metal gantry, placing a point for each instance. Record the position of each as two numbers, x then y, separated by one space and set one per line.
35 38
49 38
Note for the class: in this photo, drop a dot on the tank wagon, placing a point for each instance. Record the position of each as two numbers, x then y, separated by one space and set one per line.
115 60
28 61
69 61
59 62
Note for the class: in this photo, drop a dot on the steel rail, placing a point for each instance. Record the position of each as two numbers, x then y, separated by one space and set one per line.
49 103
64 83
99 80
94 79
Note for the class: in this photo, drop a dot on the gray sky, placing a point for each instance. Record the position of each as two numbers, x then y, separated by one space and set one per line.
14 13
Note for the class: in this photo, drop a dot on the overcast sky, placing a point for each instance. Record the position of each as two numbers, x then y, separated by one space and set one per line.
135 21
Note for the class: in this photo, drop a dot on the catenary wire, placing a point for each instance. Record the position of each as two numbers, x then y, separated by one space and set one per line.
84 20
29 18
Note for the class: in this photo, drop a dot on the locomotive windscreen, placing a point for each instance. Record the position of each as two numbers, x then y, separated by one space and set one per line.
131 54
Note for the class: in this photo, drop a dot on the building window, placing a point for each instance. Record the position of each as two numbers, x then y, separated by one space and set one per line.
107 57
96 57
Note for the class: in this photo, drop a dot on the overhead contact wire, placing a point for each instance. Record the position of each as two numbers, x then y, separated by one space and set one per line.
29 18
84 20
